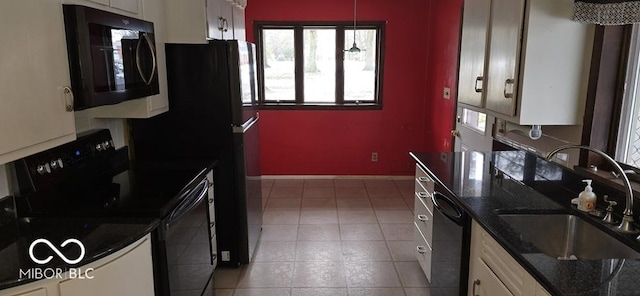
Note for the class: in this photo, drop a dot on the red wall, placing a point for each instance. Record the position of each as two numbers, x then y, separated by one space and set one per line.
414 115
442 65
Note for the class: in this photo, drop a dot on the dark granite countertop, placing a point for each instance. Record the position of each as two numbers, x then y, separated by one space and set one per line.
490 183
100 237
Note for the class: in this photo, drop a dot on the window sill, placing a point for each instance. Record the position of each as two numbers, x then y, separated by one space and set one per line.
605 177
308 106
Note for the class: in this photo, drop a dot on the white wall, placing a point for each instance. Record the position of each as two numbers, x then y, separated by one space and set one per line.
84 123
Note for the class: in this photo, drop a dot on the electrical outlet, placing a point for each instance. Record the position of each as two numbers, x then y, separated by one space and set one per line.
446 93
374 156
226 256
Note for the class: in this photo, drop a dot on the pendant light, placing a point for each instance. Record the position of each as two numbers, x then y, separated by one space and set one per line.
354 48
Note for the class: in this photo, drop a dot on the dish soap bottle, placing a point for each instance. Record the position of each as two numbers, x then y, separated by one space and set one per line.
587 199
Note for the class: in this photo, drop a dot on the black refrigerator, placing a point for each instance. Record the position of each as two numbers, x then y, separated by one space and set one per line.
213 115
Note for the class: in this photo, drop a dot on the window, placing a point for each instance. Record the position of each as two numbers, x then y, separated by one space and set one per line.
628 142
474 120
306 65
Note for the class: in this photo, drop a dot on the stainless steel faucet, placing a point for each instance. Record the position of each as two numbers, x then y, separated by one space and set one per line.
626 226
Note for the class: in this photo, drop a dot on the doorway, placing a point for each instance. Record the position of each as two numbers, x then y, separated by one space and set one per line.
473 130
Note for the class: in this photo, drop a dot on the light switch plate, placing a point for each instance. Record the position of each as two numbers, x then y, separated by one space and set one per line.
446 93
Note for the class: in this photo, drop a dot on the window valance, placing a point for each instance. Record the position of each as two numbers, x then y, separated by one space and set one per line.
607 12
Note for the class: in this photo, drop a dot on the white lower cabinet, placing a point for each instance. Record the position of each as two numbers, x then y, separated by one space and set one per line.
493 272
423 221
485 282
130 274
37 292
127 272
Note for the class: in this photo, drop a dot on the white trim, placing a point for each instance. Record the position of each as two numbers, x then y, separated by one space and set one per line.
334 177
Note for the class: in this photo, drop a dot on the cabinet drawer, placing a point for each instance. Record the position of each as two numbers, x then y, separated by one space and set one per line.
507 269
423 252
424 198
423 218
423 181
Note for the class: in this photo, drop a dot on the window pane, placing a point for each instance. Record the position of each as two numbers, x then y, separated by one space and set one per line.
360 68
279 68
628 145
319 65
474 120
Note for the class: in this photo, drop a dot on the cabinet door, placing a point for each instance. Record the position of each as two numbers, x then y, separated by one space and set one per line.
126 5
483 282
103 2
504 56
219 19
473 43
239 31
128 275
35 72
38 292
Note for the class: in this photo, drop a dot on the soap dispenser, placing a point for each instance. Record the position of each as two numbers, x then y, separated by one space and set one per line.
587 199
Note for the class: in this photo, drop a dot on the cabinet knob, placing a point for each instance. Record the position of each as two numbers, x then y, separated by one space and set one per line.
423 194
455 133
422 249
423 218
423 179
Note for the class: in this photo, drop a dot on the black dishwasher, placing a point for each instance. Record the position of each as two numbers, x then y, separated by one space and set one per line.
451 244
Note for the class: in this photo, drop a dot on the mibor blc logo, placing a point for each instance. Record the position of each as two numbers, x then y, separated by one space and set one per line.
64 244
58 273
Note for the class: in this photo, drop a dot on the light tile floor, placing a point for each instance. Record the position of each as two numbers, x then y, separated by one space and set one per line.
332 237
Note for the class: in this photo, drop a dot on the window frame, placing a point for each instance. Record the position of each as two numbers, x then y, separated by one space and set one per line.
340 26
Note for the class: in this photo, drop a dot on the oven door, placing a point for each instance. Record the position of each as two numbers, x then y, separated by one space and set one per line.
184 255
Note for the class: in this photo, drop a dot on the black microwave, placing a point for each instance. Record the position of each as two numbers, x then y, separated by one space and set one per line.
112 58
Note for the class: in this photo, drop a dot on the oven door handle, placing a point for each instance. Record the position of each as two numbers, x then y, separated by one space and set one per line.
188 204
457 218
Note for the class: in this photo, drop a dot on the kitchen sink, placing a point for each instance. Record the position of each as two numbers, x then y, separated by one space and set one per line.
567 237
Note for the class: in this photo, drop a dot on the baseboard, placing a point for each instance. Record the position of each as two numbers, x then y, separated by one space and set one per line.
335 177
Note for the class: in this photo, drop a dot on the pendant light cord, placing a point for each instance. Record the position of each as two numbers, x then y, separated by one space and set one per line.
355 3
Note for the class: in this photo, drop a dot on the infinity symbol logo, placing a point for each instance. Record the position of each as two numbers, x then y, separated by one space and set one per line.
48 243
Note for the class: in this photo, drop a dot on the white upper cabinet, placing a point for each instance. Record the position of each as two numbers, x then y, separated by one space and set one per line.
34 79
532 67
473 47
504 50
196 21
219 19
130 7
239 27
126 5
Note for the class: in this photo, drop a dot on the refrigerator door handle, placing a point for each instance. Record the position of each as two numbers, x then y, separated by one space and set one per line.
241 129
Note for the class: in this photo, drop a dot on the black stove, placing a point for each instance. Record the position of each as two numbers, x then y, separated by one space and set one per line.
90 178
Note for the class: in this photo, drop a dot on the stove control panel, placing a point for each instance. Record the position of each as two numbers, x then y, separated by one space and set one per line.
90 149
